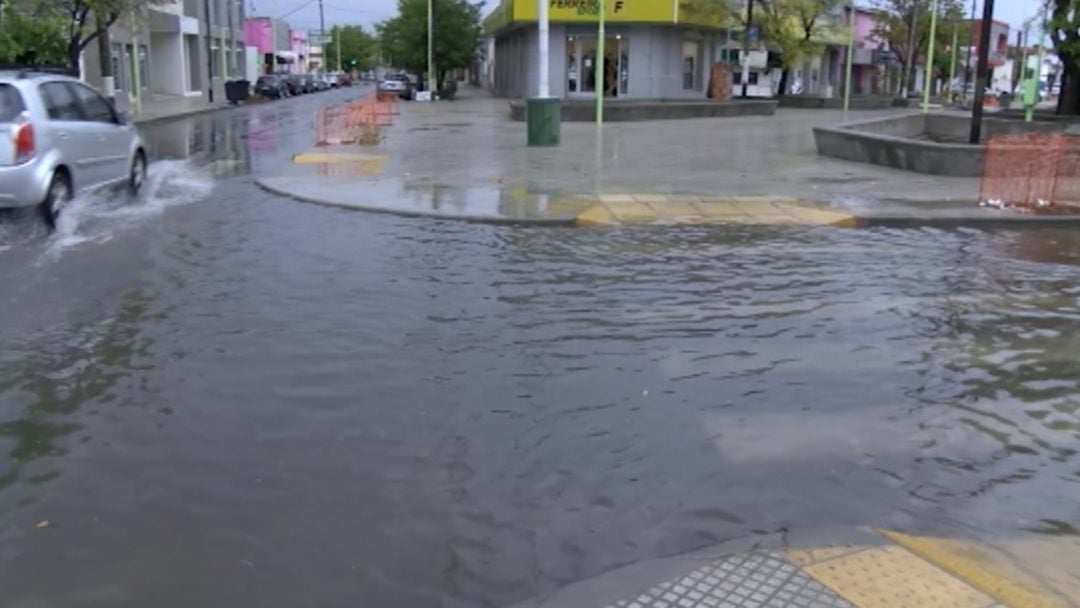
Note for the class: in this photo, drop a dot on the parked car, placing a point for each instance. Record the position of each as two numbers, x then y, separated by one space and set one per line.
58 137
311 85
344 80
322 83
296 84
399 84
272 86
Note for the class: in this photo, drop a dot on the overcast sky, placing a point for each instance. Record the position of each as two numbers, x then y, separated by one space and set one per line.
305 13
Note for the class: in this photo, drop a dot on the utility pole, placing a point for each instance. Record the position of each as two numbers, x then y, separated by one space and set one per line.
209 55
746 48
909 65
983 71
104 47
544 86
431 46
598 67
952 64
337 36
322 21
135 72
929 79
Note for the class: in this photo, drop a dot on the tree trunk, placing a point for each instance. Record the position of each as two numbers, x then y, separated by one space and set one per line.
74 52
782 89
1069 102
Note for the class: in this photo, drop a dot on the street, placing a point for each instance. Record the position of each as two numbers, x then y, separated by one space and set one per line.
215 396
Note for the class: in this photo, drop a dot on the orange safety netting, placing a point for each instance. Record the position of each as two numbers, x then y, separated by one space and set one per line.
355 122
1034 171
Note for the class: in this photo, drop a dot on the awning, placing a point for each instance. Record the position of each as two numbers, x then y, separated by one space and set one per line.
287 56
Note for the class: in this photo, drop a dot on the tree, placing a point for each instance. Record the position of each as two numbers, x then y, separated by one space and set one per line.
1064 29
894 28
78 22
30 39
357 48
457 35
792 26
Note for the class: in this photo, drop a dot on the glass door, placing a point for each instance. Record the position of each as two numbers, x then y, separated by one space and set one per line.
581 66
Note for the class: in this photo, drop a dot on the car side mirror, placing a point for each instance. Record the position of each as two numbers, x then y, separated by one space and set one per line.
122 118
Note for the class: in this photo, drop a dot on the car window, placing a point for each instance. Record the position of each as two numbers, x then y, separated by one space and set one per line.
94 105
60 101
11 103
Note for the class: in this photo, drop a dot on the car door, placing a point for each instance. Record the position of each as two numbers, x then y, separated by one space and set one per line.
68 132
111 139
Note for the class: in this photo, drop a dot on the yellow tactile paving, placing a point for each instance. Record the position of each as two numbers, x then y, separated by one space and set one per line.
893 577
805 557
632 212
978 568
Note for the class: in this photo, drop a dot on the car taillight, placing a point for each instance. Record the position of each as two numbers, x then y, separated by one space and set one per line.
24 142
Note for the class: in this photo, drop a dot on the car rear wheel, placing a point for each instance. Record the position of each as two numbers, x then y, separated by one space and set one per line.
57 199
138 173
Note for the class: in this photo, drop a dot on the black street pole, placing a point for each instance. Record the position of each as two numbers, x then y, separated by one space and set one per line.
744 74
983 72
209 55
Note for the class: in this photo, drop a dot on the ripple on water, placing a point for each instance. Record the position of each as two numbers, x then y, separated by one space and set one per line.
433 410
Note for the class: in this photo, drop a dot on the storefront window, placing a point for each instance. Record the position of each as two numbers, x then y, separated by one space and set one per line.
624 65
587 53
571 65
689 65
144 67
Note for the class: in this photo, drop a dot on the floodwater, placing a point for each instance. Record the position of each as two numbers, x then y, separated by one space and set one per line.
219 397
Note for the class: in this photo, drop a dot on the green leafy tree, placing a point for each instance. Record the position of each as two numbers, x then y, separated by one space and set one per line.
894 19
457 36
1064 29
791 28
357 48
29 37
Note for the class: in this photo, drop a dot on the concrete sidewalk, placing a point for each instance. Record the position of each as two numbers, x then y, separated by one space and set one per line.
825 568
466 159
169 108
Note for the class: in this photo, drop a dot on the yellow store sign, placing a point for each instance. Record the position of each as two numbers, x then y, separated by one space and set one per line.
623 11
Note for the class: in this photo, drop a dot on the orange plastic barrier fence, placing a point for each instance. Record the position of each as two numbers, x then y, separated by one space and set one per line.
1036 171
356 122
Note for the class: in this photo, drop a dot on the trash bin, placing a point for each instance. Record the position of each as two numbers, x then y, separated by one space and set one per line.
237 90
544 119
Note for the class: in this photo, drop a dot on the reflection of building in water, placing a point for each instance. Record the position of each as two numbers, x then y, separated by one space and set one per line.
221 141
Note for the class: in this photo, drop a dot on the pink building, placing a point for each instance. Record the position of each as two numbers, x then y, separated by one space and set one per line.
269 36
299 47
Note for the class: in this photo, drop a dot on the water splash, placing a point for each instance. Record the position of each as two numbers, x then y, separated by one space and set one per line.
98 216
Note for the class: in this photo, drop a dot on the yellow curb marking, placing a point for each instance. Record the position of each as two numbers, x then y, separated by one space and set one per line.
657 209
892 577
967 562
595 215
805 557
323 158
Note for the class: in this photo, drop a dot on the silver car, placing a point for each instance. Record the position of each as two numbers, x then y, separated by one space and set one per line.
58 136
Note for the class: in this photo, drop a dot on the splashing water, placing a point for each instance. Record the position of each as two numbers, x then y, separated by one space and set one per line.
98 216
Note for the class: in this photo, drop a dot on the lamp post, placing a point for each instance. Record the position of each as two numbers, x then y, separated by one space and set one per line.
431 46
745 57
930 58
850 57
598 67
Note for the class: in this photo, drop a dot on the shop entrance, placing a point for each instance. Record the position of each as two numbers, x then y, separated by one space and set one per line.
581 66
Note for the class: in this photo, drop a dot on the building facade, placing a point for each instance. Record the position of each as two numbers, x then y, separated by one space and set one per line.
653 49
180 48
271 41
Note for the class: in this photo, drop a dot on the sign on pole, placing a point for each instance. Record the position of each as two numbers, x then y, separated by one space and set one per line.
319 39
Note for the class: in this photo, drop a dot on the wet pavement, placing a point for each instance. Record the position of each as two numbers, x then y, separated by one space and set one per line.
217 396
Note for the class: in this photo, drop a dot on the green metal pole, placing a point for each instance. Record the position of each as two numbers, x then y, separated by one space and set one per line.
850 58
598 67
337 34
929 58
138 63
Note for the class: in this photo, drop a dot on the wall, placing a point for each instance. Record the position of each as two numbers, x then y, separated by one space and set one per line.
167 63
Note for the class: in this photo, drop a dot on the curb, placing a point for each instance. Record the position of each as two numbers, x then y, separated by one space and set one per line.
374 208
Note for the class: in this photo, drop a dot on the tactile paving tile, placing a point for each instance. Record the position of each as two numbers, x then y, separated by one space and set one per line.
888 577
750 580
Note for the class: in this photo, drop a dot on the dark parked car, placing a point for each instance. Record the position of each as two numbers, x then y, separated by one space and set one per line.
311 84
344 80
296 84
272 86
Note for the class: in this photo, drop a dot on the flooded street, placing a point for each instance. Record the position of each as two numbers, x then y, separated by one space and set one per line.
215 396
